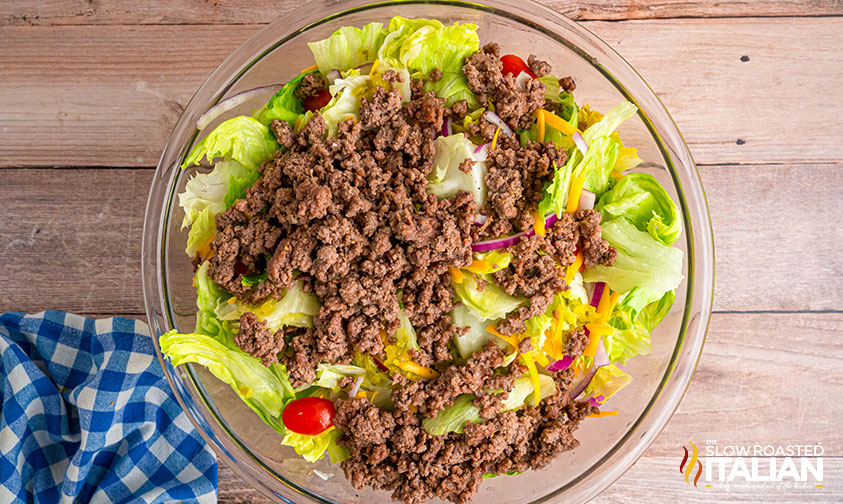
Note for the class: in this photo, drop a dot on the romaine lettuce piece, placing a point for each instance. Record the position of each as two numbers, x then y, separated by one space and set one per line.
523 390
284 105
642 261
329 375
446 177
347 47
476 337
202 231
209 190
607 381
264 390
296 308
642 200
599 161
653 314
489 304
240 138
208 296
489 262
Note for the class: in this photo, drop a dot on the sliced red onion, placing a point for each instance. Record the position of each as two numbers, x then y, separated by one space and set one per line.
480 219
332 76
497 121
586 200
580 141
446 127
481 153
508 241
597 401
600 360
562 364
597 294
622 368
356 387
600 357
522 79
364 68
576 391
231 102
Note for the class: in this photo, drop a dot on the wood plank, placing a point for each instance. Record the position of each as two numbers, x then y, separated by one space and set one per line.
83 12
737 397
78 232
113 93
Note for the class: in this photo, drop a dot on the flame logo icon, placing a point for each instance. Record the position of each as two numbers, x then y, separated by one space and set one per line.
690 464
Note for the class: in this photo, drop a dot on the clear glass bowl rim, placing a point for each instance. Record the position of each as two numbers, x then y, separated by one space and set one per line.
698 232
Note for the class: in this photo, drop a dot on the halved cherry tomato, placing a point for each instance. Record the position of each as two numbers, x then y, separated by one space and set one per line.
317 101
308 415
514 65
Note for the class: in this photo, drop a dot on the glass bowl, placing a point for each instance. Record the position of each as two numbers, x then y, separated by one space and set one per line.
609 445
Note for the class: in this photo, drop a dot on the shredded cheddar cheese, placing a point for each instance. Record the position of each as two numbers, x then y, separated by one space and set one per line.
374 68
557 123
539 225
509 339
361 394
232 300
573 268
412 367
599 329
246 392
617 174
534 377
478 266
591 348
310 68
456 275
540 124
541 358
603 414
574 194
495 138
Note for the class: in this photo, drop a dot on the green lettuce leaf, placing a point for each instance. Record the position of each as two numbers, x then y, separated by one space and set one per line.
347 47
495 260
489 304
202 231
556 192
312 448
284 105
421 45
453 87
642 261
642 200
446 177
208 296
296 308
476 337
607 381
653 314
329 375
240 138
599 161
265 391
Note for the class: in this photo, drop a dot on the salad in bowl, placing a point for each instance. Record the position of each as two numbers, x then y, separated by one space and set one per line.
423 259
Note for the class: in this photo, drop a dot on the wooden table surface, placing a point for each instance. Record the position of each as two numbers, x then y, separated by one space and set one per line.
90 89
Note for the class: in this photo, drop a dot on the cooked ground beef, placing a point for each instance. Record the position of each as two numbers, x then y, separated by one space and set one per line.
391 450
311 85
350 219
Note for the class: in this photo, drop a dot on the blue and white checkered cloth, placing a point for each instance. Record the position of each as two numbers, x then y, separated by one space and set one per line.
87 416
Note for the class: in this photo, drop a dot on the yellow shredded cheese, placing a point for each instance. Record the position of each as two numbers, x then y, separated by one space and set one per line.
557 123
509 339
539 225
310 68
602 414
329 429
534 377
246 392
232 300
541 358
599 329
540 124
495 138
591 348
194 281
573 268
617 174
478 266
374 68
456 275
574 194
412 367
361 394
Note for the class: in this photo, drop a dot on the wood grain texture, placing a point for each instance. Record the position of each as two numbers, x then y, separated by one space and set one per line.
736 397
113 93
85 12
74 241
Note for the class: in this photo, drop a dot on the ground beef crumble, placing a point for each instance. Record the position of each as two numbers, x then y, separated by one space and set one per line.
349 218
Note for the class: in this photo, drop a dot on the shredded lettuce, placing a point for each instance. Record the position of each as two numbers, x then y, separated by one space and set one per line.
202 231
489 304
421 45
453 87
312 448
296 308
264 390
642 261
607 381
329 375
599 161
347 47
556 192
477 335
490 262
454 417
653 314
284 105
208 296
642 200
242 138
446 177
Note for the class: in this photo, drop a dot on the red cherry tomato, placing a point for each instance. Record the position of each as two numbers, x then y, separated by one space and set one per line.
318 101
514 65
308 415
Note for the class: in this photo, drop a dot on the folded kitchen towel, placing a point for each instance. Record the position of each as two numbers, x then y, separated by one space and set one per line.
88 416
